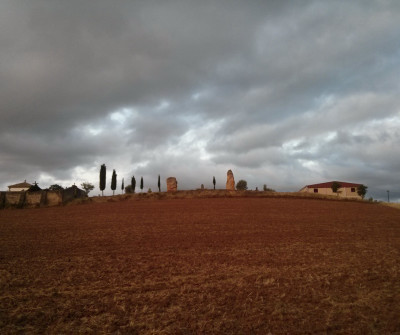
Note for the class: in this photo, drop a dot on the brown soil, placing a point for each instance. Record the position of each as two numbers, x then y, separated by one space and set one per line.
184 266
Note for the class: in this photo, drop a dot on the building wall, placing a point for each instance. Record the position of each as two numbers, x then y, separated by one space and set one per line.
33 199
14 198
71 193
343 192
54 198
40 198
18 189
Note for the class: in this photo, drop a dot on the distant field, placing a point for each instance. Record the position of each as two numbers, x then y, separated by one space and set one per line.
391 204
203 266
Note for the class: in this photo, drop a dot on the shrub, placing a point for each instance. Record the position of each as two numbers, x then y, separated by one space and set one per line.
266 189
241 185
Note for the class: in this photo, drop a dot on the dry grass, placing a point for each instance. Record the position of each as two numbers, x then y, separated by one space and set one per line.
209 193
391 204
213 265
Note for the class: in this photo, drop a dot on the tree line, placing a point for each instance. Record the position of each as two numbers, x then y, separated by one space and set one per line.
128 189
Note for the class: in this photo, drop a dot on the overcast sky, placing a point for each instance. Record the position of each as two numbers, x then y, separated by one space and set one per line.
284 93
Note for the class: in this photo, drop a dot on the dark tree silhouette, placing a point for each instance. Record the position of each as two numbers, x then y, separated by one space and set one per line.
122 185
102 178
34 188
335 187
159 184
114 181
214 182
141 184
266 189
56 187
241 185
362 190
133 184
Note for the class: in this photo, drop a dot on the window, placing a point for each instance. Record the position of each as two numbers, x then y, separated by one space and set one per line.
353 189
315 190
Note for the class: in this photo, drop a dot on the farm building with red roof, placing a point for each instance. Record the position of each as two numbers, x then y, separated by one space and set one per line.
346 190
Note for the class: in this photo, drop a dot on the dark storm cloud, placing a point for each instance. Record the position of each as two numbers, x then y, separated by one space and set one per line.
283 93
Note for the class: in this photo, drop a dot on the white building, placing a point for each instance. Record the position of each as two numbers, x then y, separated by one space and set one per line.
346 190
19 187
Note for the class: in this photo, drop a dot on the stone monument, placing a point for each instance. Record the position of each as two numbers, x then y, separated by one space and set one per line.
230 181
172 184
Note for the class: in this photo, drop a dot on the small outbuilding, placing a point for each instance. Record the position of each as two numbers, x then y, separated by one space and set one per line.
20 187
346 190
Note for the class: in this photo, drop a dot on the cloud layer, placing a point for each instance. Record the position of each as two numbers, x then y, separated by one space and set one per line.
283 94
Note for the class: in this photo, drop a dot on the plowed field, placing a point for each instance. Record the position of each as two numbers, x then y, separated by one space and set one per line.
203 266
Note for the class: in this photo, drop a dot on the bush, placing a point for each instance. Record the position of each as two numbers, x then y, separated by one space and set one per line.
266 189
241 185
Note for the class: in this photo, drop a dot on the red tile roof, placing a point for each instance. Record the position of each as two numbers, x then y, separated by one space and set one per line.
329 184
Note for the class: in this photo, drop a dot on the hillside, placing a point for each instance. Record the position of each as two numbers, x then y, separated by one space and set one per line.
235 265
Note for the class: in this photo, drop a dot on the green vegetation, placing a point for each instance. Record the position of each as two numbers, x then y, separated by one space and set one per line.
87 187
113 181
241 185
133 184
335 187
102 178
362 191
56 187
266 189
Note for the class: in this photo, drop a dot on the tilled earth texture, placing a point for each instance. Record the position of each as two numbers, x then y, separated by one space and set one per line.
201 266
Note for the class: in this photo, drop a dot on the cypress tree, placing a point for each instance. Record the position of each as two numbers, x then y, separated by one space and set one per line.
122 185
114 181
159 184
133 184
141 184
102 178
214 182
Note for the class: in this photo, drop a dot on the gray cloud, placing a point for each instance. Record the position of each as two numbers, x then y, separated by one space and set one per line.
284 94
